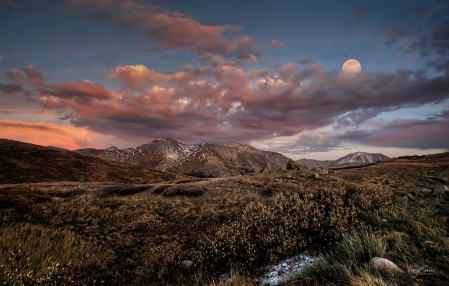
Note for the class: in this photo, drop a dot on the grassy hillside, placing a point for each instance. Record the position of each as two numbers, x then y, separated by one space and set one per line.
27 163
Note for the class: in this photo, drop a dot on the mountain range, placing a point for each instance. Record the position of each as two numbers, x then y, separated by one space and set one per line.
200 160
356 158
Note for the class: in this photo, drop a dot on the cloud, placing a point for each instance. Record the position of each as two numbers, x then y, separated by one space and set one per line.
276 43
222 102
406 133
361 12
7 4
138 76
306 61
309 142
80 91
9 89
33 75
170 29
51 134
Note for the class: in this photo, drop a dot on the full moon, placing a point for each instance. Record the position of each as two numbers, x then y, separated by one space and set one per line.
352 67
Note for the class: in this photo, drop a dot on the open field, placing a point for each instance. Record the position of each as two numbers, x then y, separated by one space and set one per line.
106 233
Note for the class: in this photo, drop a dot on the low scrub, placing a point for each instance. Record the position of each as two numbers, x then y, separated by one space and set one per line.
287 223
185 190
35 255
22 199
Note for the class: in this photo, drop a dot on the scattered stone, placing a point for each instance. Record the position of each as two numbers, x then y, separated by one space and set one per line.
267 169
252 187
439 190
186 264
410 197
404 199
384 265
316 176
291 165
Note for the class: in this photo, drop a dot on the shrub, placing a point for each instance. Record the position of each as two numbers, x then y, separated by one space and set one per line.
147 222
287 223
161 263
185 190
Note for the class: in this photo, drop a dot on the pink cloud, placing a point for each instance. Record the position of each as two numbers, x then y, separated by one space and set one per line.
170 29
276 43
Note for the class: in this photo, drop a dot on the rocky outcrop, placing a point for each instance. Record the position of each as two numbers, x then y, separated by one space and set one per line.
267 169
291 165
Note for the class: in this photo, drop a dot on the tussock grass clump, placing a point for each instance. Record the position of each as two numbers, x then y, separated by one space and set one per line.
287 223
185 190
347 263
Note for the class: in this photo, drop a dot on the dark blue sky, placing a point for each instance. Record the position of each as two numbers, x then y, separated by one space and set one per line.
115 69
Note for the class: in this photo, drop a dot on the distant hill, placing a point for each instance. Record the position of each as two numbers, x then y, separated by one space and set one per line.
356 158
28 163
201 160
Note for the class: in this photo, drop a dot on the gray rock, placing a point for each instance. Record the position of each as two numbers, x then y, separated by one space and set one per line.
426 191
405 199
186 264
316 176
384 265
439 190
410 197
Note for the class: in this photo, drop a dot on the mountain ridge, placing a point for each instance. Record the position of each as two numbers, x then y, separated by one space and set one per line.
356 158
203 159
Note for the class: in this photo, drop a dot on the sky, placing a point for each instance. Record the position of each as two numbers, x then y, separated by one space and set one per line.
97 73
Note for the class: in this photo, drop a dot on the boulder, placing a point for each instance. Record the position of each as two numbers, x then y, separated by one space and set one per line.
267 169
316 176
439 190
384 265
291 165
186 264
